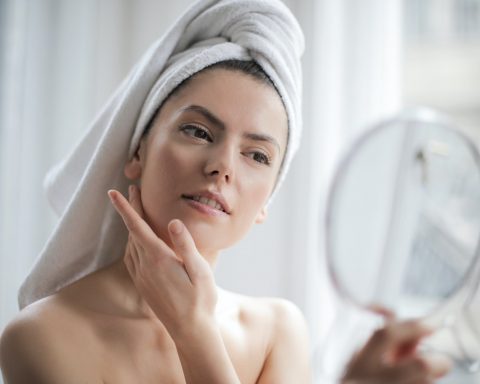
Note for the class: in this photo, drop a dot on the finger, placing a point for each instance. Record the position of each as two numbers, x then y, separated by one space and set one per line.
379 309
135 199
406 331
409 371
134 223
417 369
397 340
184 246
438 365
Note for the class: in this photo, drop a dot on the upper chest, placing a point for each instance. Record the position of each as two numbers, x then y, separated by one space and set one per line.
134 351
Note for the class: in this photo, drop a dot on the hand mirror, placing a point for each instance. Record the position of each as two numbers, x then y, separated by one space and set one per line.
403 217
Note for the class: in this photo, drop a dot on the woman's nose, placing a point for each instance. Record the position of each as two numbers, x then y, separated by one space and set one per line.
219 165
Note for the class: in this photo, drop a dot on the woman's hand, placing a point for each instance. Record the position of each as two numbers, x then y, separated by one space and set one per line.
177 283
391 356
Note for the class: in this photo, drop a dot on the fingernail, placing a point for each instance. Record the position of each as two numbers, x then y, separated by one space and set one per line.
176 226
111 195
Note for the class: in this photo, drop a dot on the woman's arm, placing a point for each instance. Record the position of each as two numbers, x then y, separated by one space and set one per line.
288 359
178 285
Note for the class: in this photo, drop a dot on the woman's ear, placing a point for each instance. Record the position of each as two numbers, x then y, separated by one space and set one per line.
133 168
261 216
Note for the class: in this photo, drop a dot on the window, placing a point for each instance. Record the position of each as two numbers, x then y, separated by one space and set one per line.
442 59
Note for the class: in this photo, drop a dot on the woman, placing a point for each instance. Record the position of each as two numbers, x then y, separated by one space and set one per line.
211 144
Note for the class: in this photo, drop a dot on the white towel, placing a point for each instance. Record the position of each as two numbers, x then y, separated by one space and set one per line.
90 234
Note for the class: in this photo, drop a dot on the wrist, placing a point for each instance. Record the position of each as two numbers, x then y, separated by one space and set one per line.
197 327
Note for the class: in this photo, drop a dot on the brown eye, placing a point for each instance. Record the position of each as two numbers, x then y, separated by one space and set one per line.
197 132
260 157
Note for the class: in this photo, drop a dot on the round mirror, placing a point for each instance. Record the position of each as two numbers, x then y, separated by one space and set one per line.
403 219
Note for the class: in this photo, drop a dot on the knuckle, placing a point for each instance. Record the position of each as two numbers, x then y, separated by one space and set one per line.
158 258
421 367
202 274
181 243
133 226
414 325
203 277
382 334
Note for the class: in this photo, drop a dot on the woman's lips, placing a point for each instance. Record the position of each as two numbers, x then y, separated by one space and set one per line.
212 198
203 208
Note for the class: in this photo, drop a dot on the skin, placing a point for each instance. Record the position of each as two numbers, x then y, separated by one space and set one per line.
157 316
391 356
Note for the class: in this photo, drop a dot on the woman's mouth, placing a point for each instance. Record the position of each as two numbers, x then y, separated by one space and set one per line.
205 205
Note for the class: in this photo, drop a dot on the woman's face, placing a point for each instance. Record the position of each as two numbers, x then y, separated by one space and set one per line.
212 157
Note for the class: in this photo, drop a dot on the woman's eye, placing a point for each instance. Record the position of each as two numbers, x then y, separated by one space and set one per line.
260 157
197 132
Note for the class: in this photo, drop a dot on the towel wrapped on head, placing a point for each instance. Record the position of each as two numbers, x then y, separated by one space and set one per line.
90 234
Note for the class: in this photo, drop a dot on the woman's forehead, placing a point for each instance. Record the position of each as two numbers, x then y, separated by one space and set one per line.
235 98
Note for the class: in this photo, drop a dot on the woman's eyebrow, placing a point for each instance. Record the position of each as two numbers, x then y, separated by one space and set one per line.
206 113
221 125
262 137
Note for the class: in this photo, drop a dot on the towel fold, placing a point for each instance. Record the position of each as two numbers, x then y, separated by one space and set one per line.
90 234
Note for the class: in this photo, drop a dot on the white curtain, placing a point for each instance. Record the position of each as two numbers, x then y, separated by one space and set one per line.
61 60
353 79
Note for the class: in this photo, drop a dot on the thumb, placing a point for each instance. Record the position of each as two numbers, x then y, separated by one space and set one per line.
439 365
184 247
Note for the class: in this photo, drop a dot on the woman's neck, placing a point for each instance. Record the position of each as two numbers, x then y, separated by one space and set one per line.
126 294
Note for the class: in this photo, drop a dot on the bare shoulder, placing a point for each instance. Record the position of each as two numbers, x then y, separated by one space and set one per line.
285 320
288 360
287 357
277 314
38 345
285 313
258 305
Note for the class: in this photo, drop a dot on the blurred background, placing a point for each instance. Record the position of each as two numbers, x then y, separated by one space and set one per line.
364 61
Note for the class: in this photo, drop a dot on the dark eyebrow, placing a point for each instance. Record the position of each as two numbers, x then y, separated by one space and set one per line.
262 137
207 114
221 125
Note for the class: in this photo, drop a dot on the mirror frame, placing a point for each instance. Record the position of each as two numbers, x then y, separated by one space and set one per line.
416 115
